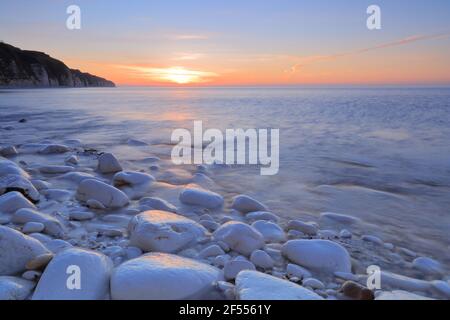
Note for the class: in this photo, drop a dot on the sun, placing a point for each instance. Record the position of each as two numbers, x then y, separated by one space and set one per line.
178 75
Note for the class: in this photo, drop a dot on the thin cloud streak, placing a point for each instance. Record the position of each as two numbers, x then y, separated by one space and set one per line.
313 59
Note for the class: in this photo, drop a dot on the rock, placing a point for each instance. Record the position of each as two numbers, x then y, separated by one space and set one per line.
13 182
255 285
372 239
81 215
321 255
55 169
211 251
16 249
245 204
94 204
294 270
78 177
356 291
240 237
301 226
202 198
346 276
233 267
397 281
158 204
132 179
33 227
133 252
313 283
72 160
400 295
339 218
57 194
262 215
210 225
54 149
13 288
108 163
31 275
8 167
442 288
270 231
163 231
57 245
428 266
58 282
261 259
52 225
13 201
39 262
156 276
345 234
40 184
8 151
107 195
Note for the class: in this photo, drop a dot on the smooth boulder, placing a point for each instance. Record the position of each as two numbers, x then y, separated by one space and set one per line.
240 237
14 288
52 226
160 276
60 278
12 201
108 163
108 196
201 198
163 231
245 204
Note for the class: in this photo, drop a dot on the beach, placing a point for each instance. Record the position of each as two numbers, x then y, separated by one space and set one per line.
86 176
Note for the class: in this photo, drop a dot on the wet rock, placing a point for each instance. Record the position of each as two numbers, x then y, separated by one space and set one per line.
240 237
301 226
13 182
107 195
163 231
158 204
163 276
270 231
13 201
245 204
108 163
54 149
428 265
202 198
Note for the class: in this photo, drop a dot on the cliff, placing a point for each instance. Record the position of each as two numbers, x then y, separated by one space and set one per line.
27 69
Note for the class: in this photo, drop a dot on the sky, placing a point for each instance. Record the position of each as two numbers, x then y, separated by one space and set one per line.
246 42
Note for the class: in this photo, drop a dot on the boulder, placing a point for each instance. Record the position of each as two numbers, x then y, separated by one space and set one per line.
201 198
233 267
12 201
163 231
108 163
16 249
52 226
14 182
8 167
240 237
245 204
428 266
270 231
255 285
158 204
54 149
160 276
108 196
14 288
306 228
400 295
321 255
75 274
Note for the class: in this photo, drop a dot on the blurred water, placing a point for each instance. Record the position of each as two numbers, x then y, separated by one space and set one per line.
382 154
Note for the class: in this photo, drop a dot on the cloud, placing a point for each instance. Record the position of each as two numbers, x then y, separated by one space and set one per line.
185 56
303 61
190 37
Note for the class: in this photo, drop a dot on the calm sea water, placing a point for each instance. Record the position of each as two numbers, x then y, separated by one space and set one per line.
381 154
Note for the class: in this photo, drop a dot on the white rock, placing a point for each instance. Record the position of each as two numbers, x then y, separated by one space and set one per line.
270 231
40 184
210 225
81 215
108 163
345 234
133 252
73 160
16 249
245 204
31 275
254 285
301 226
12 201
14 182
400 295
52 225
372 239
93 268
441 287
396 281
240 237
294 270
132 179
8 167
54 148
95 204
339 218
202 198
107 195
32 227
13 288
262 259
320 255
57 194
55 169
159 276
313 283
262 215
163 231
8 151
158 204
233 267
211 251
57 245
428 265
78 177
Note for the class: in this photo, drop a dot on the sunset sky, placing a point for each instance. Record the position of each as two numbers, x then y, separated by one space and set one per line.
273 42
